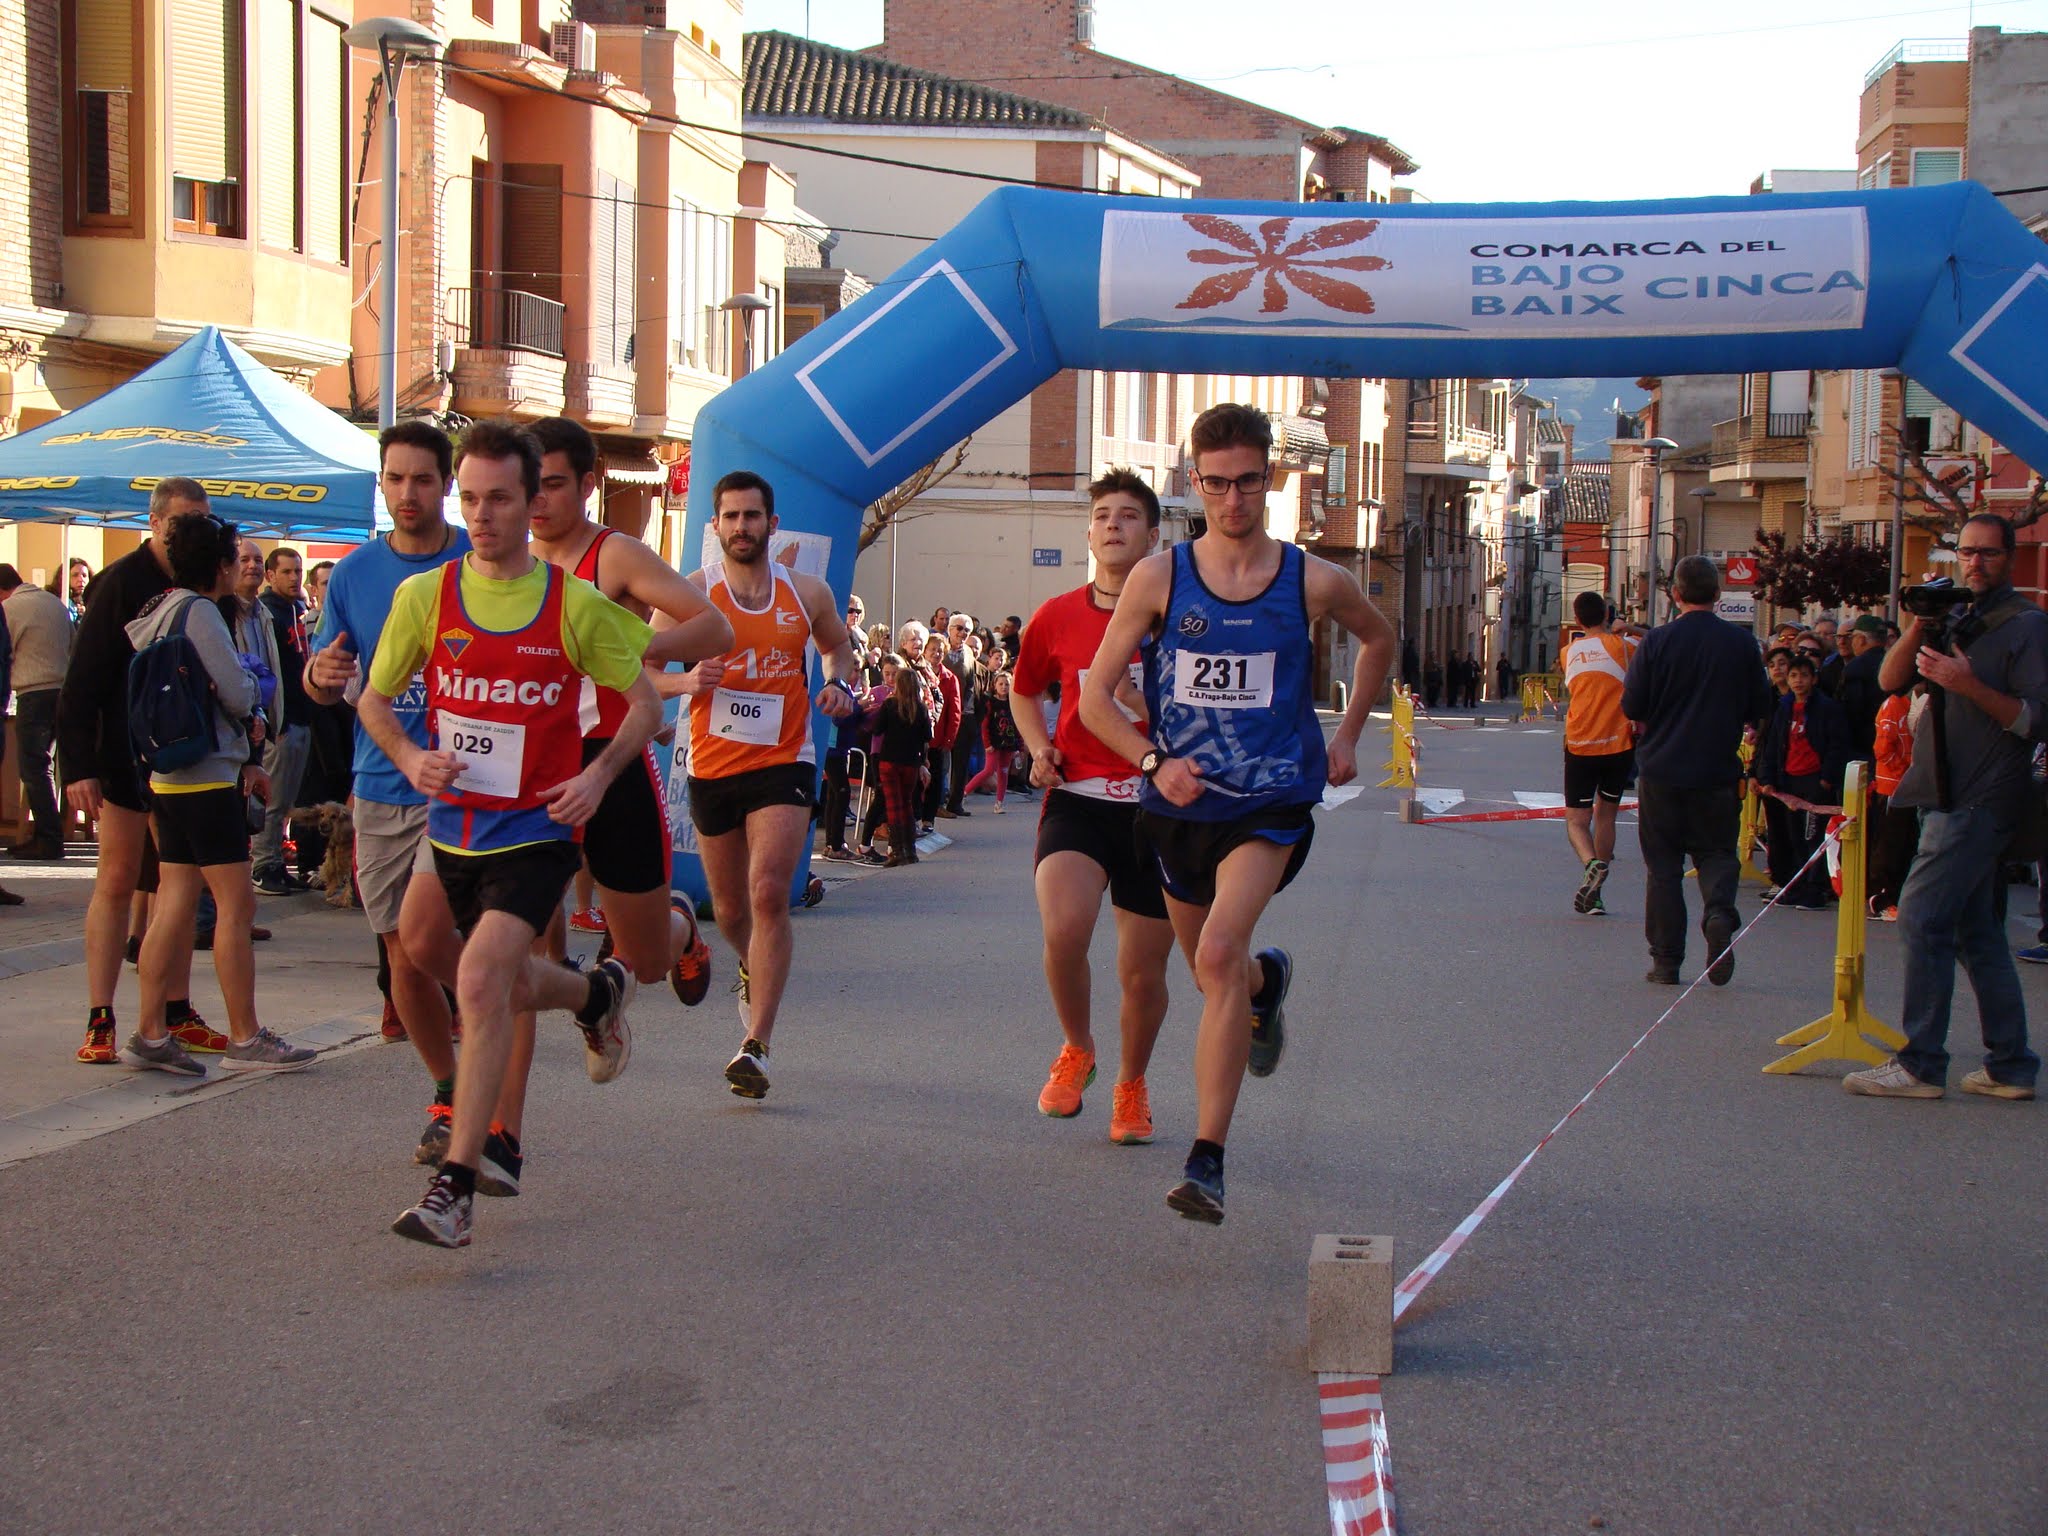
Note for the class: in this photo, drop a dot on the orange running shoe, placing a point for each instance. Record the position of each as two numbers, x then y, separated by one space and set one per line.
197 1036
1130 1114
590 920
99 1049
391 1027
691 975
1072 1070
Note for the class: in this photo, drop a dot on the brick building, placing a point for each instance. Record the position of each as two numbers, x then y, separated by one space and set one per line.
1240 150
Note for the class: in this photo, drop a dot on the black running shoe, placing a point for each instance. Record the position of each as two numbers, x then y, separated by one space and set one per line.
1199 1194
498 1174
441 1218
433 1145
747 1072
1269 1029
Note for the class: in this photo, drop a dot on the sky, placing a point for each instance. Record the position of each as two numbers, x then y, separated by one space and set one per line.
1504 101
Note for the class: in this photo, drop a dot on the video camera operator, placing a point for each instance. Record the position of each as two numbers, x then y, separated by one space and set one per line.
1972 782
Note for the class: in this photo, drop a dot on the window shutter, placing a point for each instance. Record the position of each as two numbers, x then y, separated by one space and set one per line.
533 229
277 52
1789 392
1933 167
206 86
1920 400
105 45
1858 449
626 256
327 138
604 216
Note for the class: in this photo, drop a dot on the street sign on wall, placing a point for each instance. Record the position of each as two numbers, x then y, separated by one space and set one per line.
1045 557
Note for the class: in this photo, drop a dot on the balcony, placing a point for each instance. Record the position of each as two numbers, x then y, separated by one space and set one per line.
1457 449
508 360
1771 447
505 319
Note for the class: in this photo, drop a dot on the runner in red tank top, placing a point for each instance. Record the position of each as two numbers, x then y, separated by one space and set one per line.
503 638
1087 831
626 845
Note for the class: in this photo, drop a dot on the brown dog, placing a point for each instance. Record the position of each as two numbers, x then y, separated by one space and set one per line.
338 869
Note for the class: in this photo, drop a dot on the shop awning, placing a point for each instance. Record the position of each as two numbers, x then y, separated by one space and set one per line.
272 459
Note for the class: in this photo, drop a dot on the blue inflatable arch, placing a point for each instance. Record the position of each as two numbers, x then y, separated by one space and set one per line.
1941 282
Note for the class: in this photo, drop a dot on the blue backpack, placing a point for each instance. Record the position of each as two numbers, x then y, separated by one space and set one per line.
171 701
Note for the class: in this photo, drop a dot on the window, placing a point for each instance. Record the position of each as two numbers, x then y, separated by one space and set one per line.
799 320
102 89
772 338
1790 392
1876 174
1866 416
706 241
280 111
614 225
1933 167
206 41
327 137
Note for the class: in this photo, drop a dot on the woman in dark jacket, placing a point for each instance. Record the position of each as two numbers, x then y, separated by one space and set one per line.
1806 756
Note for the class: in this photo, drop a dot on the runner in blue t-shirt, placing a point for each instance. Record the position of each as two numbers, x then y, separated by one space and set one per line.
417 473
1236 761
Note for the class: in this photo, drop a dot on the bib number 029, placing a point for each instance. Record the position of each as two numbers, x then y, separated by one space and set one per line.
466 742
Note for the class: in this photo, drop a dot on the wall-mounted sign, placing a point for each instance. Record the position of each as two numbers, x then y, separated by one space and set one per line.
1740 571
1045 557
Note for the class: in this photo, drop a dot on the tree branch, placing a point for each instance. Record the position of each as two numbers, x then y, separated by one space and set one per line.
883 510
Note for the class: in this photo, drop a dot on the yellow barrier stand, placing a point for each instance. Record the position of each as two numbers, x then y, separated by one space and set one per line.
1752 820
1847 1032
1538 689
1400 764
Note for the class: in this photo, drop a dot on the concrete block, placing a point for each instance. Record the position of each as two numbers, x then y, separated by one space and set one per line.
1351 1305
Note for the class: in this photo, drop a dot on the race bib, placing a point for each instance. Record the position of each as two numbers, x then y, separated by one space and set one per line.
492 754
753 718
1223 682
1137 675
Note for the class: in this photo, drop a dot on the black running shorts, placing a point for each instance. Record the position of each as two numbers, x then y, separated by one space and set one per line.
1187 853
1107 832
1605 775
719 806
626 844
205 826
526 882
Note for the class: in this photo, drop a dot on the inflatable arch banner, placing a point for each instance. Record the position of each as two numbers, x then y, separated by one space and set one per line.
1940 282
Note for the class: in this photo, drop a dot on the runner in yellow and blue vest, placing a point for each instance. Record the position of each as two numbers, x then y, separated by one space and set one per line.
503 641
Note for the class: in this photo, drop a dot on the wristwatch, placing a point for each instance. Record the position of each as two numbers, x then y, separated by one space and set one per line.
1149 763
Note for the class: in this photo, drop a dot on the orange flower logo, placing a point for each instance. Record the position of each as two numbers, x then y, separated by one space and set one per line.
1281 264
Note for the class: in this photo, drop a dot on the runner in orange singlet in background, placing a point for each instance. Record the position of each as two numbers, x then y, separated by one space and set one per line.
1599 747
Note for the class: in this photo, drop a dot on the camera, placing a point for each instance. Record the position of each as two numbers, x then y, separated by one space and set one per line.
1935 603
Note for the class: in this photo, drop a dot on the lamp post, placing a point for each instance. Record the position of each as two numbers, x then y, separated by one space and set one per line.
395 41
746 306
1656 447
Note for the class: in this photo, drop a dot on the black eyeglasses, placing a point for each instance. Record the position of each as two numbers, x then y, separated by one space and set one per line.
1244 485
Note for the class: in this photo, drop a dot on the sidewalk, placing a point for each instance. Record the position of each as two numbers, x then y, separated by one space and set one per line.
315 985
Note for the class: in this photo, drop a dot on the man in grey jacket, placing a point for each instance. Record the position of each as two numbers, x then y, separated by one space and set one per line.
39 629
1972 781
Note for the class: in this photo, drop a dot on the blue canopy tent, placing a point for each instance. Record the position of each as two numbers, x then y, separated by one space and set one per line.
272 459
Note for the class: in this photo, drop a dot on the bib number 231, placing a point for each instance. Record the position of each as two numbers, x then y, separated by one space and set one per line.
1223 682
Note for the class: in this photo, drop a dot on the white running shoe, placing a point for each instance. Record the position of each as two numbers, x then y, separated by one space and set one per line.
608 1044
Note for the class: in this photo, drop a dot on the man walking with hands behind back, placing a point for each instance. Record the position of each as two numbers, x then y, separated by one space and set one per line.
1971 784
1695 686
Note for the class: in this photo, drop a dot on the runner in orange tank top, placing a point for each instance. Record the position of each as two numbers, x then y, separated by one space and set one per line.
626 844
1599 746
752 764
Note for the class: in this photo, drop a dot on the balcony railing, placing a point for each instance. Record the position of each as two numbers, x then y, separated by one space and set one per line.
1788 423
1920 50
1732 442
507 319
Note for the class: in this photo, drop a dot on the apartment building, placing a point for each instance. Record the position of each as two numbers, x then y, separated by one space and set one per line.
1240 150
1001 533
579 220
1932 111
174 164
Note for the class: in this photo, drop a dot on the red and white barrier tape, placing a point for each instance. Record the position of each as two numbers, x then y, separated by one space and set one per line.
1527 813
1358 1473
1418 1280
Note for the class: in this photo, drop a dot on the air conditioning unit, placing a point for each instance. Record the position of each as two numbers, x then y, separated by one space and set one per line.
573 44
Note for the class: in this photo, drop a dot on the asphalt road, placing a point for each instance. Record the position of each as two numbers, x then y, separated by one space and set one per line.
894 1299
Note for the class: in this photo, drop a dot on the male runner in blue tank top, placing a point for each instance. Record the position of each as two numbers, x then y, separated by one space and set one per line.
1236 761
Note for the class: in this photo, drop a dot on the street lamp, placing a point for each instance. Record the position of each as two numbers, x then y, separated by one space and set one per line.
1657 447
746 306
396 40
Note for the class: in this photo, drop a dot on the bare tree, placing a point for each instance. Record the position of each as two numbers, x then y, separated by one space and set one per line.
882 511
1939 502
